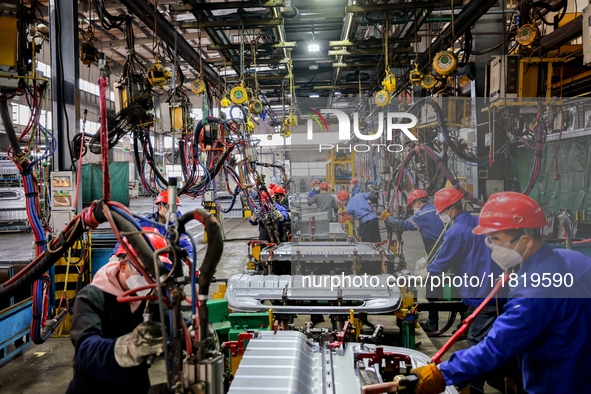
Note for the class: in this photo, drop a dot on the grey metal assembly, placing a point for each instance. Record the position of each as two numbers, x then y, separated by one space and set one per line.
311 295
286 362
327 257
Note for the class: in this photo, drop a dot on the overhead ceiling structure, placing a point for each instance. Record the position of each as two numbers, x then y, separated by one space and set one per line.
335 48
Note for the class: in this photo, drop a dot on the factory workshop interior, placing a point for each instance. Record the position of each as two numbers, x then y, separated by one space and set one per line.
295 196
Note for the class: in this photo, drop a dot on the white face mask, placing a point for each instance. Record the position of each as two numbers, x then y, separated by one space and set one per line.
416 210
504 257
445 218
317 188
135 281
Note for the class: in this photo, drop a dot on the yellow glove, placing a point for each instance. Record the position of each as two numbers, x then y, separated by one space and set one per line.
431 380
384 215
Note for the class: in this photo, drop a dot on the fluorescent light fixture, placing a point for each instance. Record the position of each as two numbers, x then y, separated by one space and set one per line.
313 47
314 95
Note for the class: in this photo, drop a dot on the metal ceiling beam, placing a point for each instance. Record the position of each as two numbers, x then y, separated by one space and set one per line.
346 86
345 36
251 22
372 41
215 47
346 52
372 65
217 36
259 78
360 9
170 35
354 86
228 6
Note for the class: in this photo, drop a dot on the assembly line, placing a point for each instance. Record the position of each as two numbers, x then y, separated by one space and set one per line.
305 196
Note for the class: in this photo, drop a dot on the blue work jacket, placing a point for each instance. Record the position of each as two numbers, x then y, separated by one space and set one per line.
312 193
545 327
356 190
467 253
360 208
426 221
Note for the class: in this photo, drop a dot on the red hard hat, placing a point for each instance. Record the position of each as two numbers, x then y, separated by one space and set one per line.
279 190
509 211
324 186
272 186
415 195
265 197
163 197
354 180
314 182
157 241
342 195
446 197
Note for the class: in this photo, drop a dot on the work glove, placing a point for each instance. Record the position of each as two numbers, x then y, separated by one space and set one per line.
144 340
384 215
278 215
431 380
254 219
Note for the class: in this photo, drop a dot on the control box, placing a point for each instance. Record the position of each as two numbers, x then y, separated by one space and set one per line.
503 78
63 195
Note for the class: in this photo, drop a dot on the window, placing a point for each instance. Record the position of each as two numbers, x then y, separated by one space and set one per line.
88 87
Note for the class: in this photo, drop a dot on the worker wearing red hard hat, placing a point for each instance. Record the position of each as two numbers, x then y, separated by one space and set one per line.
466 254
325 202
355 188
544 325
424 219
314 188
159 216
111 338
278 212
281 198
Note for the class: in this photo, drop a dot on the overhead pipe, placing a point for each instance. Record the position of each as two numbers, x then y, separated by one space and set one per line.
345 35
280 32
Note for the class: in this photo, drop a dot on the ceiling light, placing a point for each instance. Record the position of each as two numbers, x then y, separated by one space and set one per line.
314 95
313 66
313 48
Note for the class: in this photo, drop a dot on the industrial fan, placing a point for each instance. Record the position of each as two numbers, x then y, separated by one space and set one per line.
126 120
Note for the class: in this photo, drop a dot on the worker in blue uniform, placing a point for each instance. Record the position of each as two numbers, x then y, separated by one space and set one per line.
466 254
314 188
159 216
547 318
424 219
355 188
111 339
427 222
359 208
279 216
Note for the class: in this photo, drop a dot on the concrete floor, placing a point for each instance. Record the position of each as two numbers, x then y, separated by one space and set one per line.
47 368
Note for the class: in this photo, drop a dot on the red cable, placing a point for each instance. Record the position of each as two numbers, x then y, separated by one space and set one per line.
103 83
437 357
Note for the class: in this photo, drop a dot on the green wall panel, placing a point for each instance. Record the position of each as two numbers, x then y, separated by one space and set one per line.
573 189
92 182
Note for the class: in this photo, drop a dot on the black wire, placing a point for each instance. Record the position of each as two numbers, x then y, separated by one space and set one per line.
62 88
